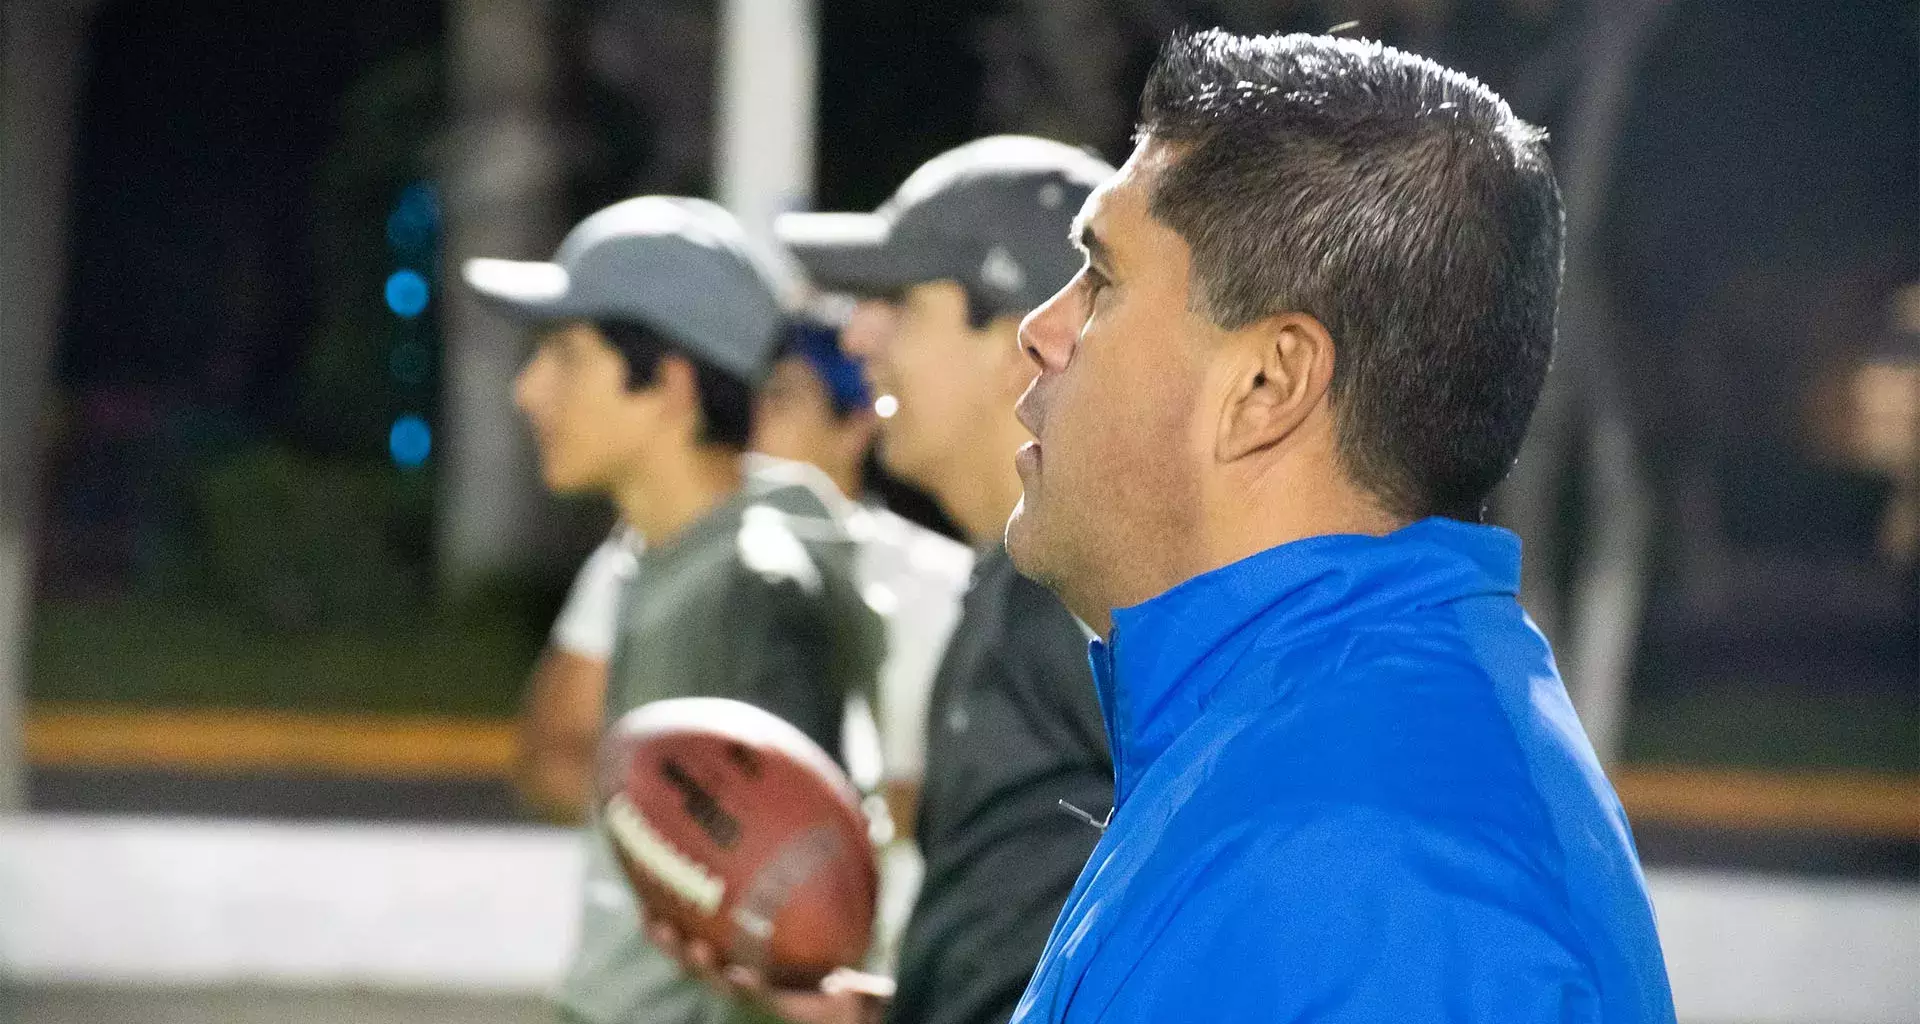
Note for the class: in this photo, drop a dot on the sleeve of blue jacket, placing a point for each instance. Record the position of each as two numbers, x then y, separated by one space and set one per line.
1353 914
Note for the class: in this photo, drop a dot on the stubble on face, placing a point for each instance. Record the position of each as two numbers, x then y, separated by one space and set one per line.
1110 512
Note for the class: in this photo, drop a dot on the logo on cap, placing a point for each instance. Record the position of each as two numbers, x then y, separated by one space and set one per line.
1001 271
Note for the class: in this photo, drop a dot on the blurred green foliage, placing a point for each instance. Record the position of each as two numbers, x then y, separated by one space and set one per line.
1789 728
298 542
292 568
310 591
166 654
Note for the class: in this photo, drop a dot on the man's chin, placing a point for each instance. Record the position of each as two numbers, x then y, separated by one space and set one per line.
1027 549
559 481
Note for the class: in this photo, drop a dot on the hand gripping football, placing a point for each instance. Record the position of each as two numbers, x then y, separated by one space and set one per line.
739 830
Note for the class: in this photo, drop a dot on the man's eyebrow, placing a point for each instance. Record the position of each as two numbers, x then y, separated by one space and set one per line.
1088 242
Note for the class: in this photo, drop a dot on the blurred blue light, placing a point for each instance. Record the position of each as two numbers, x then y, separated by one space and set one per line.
405 234
410 441
414 219
421 200
407 293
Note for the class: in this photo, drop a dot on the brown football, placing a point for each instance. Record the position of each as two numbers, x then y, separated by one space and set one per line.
741 831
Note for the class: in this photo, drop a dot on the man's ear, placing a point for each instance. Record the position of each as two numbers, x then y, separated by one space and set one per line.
1285 365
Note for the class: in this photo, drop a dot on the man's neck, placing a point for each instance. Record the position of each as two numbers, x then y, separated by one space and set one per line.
847 479
672 492
1248 522
1240 519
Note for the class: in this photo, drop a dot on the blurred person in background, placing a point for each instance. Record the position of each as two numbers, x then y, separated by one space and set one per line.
813 426
1316 311
944 271
656 325
1786 528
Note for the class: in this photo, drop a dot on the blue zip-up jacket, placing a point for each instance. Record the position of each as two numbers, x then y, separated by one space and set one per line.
1350 787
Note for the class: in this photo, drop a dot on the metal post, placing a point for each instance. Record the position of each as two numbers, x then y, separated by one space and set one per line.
42 60
501 194
1597 624
764 128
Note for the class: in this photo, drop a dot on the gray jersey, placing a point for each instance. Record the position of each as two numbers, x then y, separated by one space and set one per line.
757 602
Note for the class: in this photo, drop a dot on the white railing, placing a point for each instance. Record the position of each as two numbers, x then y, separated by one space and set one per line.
131 901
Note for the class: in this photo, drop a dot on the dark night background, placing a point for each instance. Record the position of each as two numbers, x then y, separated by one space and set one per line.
228 372
246 657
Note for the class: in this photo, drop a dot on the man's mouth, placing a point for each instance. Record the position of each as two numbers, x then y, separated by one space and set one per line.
1027 460
1030 415
1028 411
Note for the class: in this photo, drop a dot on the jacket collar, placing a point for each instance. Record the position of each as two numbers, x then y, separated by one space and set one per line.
1168 658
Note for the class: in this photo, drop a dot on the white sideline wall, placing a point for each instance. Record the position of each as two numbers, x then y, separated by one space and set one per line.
150 901
132 901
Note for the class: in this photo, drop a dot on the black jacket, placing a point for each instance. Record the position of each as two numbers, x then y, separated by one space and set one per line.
1014 727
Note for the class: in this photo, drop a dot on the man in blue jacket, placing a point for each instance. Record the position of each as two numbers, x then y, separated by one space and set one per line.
1316 311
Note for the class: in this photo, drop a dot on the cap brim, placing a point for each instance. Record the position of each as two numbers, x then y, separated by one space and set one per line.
526 290
854 253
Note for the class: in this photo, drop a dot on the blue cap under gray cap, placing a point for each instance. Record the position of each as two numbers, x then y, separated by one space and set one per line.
992 214
682 267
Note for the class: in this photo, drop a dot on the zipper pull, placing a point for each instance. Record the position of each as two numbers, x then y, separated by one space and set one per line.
1098 823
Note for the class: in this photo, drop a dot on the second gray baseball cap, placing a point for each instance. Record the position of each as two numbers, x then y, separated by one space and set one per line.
682 267
992 214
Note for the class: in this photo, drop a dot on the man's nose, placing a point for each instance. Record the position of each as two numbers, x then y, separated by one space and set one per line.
1048 334
523 388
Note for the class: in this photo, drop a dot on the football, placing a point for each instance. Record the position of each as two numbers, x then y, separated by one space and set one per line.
739 830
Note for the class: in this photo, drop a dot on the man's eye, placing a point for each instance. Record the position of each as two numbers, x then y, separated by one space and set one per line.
1096 281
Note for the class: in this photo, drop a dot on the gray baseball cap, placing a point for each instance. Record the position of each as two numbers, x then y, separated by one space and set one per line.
681 266
992 215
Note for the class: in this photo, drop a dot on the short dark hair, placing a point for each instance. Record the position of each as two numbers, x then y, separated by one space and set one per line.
1400 203
726 401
